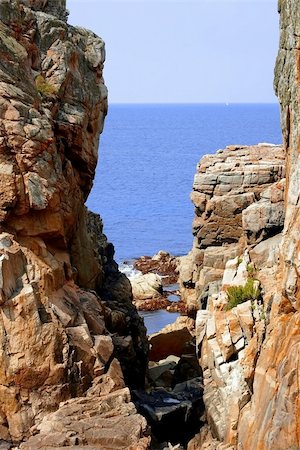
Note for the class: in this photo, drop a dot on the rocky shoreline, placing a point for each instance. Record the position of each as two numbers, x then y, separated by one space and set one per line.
156 286
239 217
77 369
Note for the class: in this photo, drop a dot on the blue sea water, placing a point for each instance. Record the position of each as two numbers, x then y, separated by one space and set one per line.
147 160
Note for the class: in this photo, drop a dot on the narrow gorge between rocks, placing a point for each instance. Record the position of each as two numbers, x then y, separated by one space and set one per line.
77 369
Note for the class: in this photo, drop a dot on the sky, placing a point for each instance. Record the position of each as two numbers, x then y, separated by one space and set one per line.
185 51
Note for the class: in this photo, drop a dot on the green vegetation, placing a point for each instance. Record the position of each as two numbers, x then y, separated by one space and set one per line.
43 87
251 270
240 294
240 260
263 315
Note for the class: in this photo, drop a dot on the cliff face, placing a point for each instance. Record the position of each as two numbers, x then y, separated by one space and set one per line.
67 324
238 199
276 399
250 353
287 89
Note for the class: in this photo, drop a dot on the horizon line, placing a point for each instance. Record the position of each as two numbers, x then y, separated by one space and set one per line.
193 103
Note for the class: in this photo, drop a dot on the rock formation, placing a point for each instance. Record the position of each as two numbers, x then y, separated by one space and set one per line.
68 329
163 264
249 351
71 341
238 198
155 285
239 195
276 396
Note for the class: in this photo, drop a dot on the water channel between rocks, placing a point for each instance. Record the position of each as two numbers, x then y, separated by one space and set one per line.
172 400
154 320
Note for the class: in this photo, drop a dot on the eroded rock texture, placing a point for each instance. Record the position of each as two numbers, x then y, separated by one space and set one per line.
250 353
238 198
272 418
67 324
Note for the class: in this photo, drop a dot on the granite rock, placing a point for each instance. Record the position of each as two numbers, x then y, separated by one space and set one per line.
163 264
238 197
249 354
68 328
275 399
146 286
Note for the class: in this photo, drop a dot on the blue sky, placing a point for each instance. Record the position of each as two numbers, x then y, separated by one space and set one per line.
185 51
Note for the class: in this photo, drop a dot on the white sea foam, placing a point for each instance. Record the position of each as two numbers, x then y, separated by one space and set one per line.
129 271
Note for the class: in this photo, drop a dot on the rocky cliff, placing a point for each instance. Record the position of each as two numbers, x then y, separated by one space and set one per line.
243 276
68 329
238 196
272 418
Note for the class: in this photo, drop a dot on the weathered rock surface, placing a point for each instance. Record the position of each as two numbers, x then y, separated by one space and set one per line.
265 217
275 400
67 324
227 183
237 193
109 422
229 342
174 339
146 286
162 264
249 354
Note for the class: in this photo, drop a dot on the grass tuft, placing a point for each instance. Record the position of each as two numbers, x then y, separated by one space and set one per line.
44 88
241 294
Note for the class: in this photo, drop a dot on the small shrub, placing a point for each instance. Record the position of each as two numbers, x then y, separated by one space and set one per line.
43 87
240 294
251 270
240 260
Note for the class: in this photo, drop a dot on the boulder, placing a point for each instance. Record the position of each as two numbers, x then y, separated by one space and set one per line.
146 286
174 415
175 339
162 263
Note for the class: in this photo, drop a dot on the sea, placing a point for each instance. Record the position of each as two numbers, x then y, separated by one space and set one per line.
147 160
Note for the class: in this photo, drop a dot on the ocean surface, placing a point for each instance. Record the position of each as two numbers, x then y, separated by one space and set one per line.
147 160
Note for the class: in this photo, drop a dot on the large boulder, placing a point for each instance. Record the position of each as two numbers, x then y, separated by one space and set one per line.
146 286
175 339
